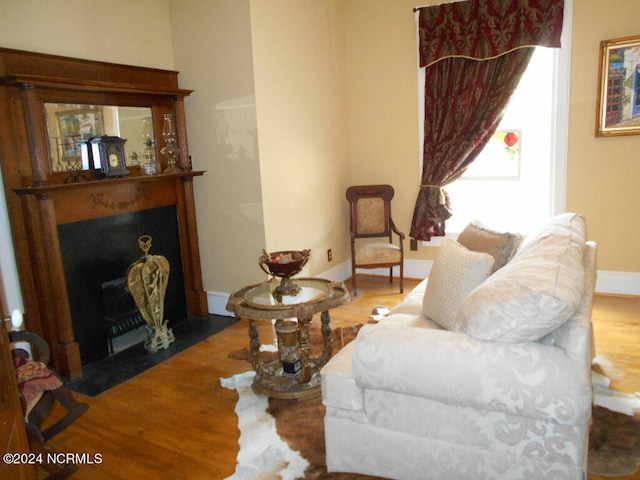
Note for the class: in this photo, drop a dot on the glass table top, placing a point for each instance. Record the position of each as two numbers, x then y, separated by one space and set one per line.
311 291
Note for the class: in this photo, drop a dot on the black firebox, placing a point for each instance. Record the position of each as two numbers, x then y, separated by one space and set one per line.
99 251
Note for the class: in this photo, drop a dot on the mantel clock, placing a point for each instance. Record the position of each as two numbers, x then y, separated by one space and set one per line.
107 158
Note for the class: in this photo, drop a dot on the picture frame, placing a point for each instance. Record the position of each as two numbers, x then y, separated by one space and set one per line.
75 126
619 87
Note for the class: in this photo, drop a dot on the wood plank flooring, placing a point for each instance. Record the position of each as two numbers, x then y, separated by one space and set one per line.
176 422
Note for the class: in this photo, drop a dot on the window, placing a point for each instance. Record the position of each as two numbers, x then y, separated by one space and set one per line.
523 193
508 187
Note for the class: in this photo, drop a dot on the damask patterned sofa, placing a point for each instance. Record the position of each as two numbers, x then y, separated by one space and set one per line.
483 372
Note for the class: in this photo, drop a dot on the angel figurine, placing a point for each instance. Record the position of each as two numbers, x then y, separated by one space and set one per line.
147 280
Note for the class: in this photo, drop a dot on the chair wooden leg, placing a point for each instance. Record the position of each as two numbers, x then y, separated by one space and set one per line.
38 445
74 410
353 280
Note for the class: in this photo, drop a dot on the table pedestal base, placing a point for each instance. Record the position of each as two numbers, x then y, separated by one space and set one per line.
271 378
279 386
294 370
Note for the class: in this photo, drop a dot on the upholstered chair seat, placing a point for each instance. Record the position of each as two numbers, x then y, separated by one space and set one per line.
378 252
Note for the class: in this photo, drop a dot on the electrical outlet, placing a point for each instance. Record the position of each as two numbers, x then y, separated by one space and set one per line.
329 255
413 244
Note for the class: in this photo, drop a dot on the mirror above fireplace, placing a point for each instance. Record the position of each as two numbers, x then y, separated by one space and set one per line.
71 125
39 91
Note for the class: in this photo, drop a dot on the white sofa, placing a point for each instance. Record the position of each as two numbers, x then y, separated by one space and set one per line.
487 378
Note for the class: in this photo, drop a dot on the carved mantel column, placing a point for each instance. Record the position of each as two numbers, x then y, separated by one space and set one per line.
196 295
55 319
37 141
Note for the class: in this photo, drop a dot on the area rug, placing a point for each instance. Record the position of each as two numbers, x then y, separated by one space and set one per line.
614 440
282 439
285 438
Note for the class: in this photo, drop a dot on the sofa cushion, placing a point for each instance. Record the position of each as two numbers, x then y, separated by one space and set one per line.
404 320
455 273
501 245
536 292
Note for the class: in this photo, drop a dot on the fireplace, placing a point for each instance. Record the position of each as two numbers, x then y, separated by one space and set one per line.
101 250
70 237
87 234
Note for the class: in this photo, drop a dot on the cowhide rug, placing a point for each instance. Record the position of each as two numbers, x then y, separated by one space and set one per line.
285 438
614 439
273 444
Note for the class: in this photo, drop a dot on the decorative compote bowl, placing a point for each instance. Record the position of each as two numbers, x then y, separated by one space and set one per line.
284 265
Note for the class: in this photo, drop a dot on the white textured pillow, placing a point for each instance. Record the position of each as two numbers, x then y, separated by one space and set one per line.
533 294
455 273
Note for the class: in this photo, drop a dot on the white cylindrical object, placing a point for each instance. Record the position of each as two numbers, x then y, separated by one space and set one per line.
16 319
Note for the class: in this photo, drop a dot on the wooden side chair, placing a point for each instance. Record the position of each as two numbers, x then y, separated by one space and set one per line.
39 388
372 229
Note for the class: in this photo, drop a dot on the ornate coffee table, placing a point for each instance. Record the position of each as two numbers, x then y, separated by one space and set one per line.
292 372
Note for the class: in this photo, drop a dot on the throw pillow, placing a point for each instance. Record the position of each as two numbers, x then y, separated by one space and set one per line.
455 273
534 293
501 245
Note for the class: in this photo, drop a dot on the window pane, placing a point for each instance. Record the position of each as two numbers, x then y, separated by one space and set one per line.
515 201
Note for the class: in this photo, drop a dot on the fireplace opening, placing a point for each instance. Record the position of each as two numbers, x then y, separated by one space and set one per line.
121 315
98 252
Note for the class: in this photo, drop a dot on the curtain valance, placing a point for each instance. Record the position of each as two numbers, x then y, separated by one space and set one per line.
482 29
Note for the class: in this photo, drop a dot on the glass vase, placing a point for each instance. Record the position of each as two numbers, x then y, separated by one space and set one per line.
170 150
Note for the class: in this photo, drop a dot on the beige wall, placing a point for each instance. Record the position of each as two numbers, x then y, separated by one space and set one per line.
383 101
287 196
299 62
213 47
119 31
603 173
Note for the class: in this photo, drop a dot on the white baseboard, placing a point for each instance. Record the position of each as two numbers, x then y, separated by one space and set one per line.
615 283
217 302
618 283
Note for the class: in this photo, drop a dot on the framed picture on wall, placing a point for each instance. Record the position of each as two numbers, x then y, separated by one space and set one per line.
619 88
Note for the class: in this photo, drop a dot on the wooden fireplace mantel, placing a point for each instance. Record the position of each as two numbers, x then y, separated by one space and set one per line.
39 201
97 198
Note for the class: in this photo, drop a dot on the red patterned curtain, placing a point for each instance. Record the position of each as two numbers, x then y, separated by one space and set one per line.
475 52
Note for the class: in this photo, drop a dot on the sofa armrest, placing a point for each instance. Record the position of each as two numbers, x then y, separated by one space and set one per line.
529 379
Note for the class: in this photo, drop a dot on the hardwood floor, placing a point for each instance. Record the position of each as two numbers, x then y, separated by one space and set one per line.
176 422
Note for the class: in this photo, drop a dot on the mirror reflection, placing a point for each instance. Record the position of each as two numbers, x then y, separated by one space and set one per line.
68 125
